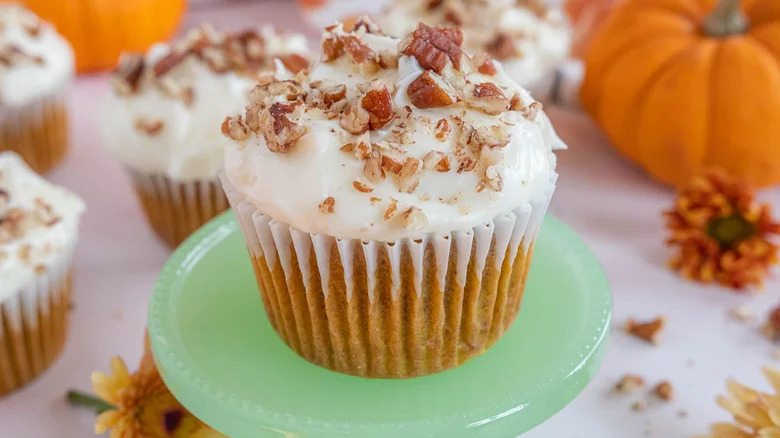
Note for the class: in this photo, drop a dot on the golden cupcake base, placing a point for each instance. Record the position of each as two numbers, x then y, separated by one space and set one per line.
32 336
176 209
38 132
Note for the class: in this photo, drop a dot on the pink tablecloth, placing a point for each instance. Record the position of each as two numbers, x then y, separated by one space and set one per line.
611 204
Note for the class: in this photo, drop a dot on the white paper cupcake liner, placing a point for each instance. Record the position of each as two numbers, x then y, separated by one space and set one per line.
34 324
391 309
175 209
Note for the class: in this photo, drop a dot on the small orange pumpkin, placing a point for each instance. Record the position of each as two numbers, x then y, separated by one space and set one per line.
587 16
100 30
680 85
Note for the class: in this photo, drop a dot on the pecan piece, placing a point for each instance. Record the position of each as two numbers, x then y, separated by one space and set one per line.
442 130
414 219
629 383
391 209
360 187
328 205
484 64
490 136
430 90
279 131
373 168
168 63
392 161
127 77
502 46
433 47
649 331
493 178
436 160
294 62
486 97
466 163
378 102
264 94
409 176
531 111
235 128
149 127
355 120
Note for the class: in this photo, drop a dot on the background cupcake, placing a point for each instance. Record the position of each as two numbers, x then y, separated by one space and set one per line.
391 201
159 117
530 38
38 231
36 66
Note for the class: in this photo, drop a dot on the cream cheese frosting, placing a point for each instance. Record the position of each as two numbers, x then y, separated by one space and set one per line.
363 147
38 224
158 116
35 61
530 38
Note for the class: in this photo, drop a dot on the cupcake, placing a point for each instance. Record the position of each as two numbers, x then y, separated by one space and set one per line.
36 66
38 230
157 117
529 38
390 201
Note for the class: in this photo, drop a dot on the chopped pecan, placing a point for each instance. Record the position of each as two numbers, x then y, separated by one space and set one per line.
294 62
378 102
430 90
648 331
264 94
360 187
392 161
333 94
332 48
442 130
372 169
466 163
355 120
486 97
328 205
531 111
516 103
367 25
235 128
502 46
358 51
490 136
168 63
388 59
493 178
391 209
409 176
484 64
149 127
665 390
363 148
129 73
414 219
279 131
433 47
629 383
436 160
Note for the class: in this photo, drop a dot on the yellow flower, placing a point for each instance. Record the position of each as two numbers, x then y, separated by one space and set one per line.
756 414
721 233
143 405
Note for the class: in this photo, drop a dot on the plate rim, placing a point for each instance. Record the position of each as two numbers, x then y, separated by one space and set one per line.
218 229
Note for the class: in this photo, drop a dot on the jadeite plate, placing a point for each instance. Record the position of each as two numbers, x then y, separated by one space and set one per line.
220 357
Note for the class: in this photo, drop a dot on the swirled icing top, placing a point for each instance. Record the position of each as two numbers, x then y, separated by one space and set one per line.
389 139
35 61
38 221
158 115
530 38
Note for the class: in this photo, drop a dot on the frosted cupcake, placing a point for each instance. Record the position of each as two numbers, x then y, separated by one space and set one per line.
529 38
391 201
36 66
38 230
158 117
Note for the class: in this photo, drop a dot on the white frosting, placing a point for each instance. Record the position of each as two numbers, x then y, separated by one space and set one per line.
543 42
46 243
23 82
290 186
189 145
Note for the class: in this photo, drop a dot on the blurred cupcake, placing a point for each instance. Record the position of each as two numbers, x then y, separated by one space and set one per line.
36 66
158 117
38 230
391 201
529 38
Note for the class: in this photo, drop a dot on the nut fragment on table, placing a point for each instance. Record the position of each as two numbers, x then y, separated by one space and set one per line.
772 327
665 390
629 383
649 331
743 314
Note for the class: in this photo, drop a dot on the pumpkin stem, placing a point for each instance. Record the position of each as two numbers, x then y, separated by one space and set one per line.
727 19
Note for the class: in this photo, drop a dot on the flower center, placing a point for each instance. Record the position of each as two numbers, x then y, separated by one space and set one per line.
172 420
729 231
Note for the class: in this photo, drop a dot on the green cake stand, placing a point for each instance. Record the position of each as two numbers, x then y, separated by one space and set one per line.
219 355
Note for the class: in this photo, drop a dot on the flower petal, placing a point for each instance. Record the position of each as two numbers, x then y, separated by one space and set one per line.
106 421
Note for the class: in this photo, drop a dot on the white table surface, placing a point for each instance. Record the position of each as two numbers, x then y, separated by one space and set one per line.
613 206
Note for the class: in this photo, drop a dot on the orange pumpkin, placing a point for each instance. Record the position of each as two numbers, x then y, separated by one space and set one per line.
680 85
587 16
99 30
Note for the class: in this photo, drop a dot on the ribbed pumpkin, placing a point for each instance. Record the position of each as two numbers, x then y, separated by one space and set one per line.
587 16
99 30
680 85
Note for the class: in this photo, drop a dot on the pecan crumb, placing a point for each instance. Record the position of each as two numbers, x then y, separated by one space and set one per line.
772 327
328 205
378 102
648 331
629 383
429 90
664 390
149 127
742 313
531 111
363 188
638 406
235 128
434 48
391 209
373 168
442 130
485 64
486 97
414 219
410 174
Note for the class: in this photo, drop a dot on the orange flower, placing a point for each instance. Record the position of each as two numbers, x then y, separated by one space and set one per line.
144 408
721 233
756 414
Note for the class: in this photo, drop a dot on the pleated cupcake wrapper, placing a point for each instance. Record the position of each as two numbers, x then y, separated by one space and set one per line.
34 324
38 131
175 209
391 309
